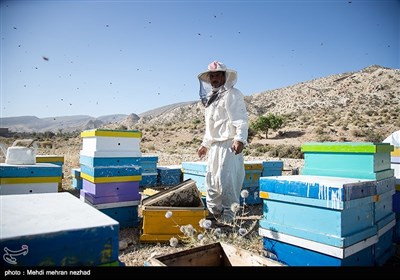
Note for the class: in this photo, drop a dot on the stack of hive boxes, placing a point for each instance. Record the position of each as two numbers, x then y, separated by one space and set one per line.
29 178
111 173
170 175
253 171
54 159
56 229
148 163
344 197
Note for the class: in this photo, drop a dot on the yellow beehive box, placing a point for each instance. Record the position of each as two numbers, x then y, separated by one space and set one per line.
185 206
253 165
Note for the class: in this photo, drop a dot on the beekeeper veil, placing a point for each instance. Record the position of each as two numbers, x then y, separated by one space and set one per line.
205 84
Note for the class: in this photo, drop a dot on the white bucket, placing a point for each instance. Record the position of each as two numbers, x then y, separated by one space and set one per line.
20 155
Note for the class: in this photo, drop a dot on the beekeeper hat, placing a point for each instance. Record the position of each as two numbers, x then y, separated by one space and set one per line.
217 66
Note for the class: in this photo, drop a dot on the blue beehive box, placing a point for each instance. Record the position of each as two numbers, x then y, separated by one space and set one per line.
148 163
111 171
125 213
335 211
364 160
29 179
296 251
253 197
109 161
384 249
383 202
272 168
76 172
56 229
169 175
76 178
27 171
196 171
149 179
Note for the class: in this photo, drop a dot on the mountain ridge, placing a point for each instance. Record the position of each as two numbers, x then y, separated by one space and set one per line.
357 98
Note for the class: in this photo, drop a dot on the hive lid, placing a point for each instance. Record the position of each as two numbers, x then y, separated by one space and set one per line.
347 147
111 133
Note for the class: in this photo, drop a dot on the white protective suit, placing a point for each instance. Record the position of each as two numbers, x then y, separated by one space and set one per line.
226 120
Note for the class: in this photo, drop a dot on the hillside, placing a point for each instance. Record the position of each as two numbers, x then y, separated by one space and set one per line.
357 106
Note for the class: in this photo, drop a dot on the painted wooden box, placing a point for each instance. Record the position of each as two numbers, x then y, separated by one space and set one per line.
110 198
253 171
214 254
272 168
169 175
112 171
76 178
195 167
29 179
196 171
126 216
383 205
148 163
336 211
149 179
76 173
28 171
125 213
185 205
253 197
109 161
29 188
110 154
296 251
105 179
112 188
54 159
333 190
77 183
31 225
200 180
384 249
111 140
363 160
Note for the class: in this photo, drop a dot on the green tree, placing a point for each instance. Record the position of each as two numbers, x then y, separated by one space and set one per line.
264 123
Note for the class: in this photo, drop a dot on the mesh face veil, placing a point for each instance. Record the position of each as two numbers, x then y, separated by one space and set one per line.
206 89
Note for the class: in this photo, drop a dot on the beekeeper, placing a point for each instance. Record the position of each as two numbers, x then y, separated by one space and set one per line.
226 131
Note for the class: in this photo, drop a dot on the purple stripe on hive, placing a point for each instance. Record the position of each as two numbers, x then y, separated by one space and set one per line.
111 188
110 198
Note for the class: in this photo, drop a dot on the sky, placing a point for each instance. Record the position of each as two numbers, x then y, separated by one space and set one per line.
96 58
